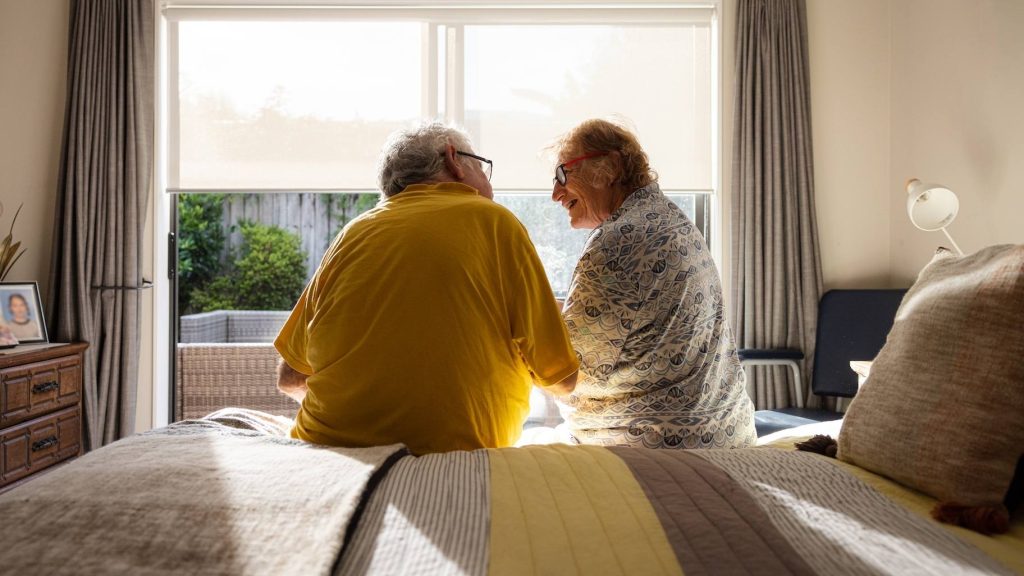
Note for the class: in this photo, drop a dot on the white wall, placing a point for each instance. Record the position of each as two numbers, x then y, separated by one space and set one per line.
848 47
932 89
958 119
33 67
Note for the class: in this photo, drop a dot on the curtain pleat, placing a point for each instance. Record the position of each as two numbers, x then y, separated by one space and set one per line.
776 263
103 189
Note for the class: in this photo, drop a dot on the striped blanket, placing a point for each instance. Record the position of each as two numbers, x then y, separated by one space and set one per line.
592 510
207 498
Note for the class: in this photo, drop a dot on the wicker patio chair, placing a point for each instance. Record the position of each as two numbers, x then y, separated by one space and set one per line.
215 376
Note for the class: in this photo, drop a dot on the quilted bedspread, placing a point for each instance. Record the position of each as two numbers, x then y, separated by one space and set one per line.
205 498
590 510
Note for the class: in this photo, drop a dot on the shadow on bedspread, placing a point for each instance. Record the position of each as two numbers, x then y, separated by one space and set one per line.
196 497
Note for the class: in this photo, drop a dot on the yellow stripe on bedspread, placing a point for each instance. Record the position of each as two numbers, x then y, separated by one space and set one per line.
572 510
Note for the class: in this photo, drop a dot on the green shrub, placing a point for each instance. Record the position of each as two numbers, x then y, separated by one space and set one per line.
269 273
200 245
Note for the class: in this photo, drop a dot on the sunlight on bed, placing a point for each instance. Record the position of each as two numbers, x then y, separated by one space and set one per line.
845 527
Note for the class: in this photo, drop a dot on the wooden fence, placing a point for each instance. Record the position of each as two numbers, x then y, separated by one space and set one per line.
316 218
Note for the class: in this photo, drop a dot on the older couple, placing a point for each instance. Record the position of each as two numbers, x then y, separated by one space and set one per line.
430 316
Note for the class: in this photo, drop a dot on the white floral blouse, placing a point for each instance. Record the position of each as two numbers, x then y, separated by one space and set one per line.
658 366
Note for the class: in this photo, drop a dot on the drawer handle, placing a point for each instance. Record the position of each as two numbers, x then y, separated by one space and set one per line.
45 387
44 443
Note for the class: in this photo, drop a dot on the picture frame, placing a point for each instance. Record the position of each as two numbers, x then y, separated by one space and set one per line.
7 338
22 311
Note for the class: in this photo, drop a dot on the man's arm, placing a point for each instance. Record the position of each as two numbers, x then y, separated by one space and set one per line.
291 381
565 387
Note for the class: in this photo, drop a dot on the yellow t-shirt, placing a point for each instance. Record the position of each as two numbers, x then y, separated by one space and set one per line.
426 323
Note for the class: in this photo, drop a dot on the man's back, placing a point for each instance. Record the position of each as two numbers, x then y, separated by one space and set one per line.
413 327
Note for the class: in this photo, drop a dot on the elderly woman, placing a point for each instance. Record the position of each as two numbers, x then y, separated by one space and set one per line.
658 365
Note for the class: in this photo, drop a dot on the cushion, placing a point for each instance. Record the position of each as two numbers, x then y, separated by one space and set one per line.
943 408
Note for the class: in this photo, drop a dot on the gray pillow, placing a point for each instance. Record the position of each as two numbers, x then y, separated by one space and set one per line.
943 408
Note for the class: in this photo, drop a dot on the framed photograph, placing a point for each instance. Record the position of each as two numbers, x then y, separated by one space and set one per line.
22 311
7 338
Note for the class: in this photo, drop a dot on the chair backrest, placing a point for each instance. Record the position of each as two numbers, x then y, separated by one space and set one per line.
852 325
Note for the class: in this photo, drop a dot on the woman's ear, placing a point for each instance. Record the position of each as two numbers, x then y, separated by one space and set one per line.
618 162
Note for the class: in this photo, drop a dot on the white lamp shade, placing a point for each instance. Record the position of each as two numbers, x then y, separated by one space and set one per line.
931 207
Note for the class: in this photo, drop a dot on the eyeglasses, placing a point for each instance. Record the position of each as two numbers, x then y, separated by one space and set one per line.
561 176
486 165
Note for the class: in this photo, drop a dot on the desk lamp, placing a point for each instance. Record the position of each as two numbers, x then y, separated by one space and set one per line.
932 207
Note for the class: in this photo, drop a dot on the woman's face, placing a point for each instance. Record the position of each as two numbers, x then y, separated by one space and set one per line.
19 310
588 205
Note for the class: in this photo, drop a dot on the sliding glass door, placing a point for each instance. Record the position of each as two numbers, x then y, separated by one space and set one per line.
275 116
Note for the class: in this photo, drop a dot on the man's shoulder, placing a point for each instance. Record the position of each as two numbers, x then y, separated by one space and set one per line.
359 223
481 207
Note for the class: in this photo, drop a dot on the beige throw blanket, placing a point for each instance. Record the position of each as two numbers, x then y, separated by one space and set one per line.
198 497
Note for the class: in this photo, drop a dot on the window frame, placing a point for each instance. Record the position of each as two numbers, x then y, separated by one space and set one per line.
442 96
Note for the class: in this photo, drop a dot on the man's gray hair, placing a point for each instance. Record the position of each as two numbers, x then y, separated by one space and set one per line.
416 155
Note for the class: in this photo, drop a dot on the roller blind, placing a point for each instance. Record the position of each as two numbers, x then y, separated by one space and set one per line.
265 98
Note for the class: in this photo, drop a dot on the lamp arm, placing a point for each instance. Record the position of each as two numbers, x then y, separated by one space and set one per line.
951 241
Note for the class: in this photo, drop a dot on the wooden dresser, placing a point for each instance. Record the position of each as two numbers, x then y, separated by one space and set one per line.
40 409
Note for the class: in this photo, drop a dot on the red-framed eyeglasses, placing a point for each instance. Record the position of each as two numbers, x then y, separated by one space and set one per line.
561 176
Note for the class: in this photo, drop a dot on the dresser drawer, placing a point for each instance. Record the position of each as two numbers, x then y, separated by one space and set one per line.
28 448
38 388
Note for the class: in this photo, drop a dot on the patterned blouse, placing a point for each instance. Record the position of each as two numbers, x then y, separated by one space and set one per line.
658 366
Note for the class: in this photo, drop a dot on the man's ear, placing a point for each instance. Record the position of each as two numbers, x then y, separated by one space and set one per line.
453 165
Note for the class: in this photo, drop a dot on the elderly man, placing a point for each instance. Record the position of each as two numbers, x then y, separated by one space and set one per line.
429 317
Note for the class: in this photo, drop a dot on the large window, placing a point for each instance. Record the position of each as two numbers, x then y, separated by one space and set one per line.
286 101
275 116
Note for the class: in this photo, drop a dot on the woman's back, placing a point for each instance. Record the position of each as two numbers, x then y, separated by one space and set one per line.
646 316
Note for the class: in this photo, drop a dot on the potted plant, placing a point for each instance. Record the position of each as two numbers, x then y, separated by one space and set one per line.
9 253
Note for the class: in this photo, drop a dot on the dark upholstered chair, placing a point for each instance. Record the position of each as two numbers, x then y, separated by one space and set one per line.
852 325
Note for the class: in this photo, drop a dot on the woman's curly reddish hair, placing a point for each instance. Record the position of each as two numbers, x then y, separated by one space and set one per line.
597 136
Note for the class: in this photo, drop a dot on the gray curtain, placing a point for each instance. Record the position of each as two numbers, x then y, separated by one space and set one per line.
776 263
103 188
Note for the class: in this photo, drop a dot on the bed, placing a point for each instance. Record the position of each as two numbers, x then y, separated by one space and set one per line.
232 494
936 431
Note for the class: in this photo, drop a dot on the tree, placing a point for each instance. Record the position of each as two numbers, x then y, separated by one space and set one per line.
268 272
